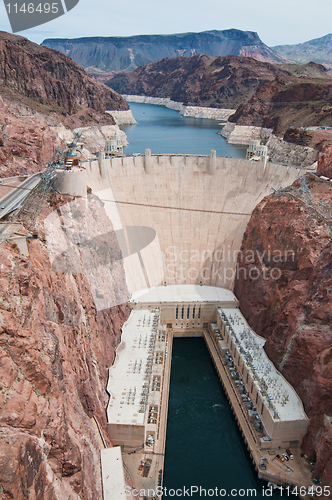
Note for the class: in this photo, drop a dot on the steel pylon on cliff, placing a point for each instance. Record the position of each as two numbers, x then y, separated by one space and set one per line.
50 180
320 209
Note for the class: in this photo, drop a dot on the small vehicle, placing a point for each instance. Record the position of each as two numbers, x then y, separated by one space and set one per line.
291 456
2 207
285 457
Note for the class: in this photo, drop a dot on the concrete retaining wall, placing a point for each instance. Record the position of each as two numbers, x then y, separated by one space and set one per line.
194 111
74 183
123 117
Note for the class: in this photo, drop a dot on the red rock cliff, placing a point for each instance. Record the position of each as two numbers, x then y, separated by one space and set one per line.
55 351
26 143
287 102
324 166
51 78
284 284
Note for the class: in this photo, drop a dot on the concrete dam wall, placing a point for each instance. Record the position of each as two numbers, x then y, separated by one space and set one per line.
197 208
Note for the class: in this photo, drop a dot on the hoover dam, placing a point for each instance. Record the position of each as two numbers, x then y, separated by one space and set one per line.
179 222
198 208
112 263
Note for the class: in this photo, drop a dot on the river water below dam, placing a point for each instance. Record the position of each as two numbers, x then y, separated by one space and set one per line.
165 131
204 447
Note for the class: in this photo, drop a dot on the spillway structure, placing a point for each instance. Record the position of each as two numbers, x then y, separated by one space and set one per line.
180 221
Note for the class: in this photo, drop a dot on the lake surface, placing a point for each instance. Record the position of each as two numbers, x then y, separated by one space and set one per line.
165 131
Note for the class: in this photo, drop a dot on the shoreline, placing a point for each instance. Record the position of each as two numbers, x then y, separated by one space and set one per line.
191 111
279 151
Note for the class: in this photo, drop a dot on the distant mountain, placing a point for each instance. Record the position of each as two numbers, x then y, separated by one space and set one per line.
100 55
318 50
308 70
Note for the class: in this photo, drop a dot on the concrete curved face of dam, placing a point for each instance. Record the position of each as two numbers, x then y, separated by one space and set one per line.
198 206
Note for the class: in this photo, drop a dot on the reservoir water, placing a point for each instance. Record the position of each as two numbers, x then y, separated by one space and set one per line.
165 131
204 447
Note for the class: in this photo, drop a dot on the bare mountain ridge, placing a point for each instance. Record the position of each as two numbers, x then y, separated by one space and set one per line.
201 80
318 50
100 55
51 82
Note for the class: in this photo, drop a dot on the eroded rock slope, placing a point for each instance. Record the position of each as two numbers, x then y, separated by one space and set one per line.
284 284
27 143
52 79
55 350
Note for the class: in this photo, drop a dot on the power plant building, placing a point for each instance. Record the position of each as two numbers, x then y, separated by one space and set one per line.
278 408
136 378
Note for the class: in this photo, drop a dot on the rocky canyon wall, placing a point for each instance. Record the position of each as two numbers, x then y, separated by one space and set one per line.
55 350
50 78
41 89
28 139
27 143
324 166
284 284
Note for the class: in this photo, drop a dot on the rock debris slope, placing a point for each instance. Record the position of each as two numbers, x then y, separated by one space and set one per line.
27 143
290 233
55 351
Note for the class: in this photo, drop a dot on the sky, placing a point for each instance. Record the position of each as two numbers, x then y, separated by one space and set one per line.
277 22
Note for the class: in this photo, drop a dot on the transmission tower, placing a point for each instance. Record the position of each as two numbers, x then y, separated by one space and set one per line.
320 209
50 180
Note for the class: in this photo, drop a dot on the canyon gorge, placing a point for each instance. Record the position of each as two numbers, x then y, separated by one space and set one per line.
56 346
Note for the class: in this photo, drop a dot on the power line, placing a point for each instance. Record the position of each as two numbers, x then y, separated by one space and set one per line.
16 187
148 205
175 208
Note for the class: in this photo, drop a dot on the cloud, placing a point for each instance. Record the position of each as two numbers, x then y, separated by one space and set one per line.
282 22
